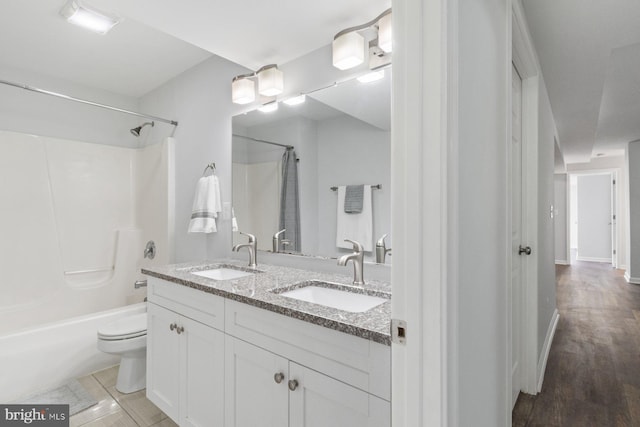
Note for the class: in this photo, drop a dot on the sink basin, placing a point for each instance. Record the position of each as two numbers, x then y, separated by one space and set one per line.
222 273
335 296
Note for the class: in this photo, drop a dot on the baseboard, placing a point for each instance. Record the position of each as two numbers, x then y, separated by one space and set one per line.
562 262
546 348
590 259
632 280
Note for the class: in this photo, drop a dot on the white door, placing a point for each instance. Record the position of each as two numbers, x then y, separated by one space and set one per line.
256 392
321 401
594 218
163 360
202 376
516 235
614 219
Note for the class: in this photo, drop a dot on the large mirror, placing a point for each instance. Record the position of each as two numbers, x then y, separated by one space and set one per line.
340 136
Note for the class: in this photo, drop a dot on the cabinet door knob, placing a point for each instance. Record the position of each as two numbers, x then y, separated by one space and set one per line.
179 329
172 326
293 384
278 378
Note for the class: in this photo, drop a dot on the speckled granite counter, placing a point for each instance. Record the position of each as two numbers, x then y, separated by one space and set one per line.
258 290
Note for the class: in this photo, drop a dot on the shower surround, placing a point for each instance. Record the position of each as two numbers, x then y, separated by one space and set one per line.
76 217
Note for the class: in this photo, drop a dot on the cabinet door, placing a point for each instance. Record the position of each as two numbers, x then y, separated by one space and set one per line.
163 360
253 398
202 375
321 401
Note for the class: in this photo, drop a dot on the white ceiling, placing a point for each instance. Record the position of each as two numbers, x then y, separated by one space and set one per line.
590 61
159 39
130 60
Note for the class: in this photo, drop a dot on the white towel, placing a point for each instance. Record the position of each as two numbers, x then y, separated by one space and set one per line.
234 221
358 227
206 205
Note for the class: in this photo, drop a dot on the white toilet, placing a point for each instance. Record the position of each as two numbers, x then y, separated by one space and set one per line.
128 338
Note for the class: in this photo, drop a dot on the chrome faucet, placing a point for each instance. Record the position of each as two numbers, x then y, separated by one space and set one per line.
276 240
252 247
381 250
358 258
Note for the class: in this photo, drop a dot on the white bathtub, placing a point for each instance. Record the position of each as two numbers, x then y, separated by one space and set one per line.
48 355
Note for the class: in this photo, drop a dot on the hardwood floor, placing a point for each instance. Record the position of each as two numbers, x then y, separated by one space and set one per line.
593 372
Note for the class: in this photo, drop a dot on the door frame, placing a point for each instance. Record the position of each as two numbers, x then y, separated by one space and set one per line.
525 61
615 175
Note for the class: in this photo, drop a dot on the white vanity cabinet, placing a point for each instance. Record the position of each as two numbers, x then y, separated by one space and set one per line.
185 356
264 389
215 362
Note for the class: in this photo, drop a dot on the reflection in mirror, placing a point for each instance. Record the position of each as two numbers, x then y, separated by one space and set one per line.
340 137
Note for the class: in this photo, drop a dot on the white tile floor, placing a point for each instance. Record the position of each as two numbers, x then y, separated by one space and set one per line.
115 409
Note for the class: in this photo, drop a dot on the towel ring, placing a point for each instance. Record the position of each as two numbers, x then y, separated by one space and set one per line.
211 166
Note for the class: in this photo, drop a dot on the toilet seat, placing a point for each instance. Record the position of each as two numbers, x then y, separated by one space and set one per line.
125 328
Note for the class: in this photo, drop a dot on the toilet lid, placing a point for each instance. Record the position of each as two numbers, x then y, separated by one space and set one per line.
126 327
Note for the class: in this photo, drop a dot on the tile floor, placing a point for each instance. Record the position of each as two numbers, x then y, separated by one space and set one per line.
115 409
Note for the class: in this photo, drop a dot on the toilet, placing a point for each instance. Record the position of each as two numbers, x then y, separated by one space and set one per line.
127 337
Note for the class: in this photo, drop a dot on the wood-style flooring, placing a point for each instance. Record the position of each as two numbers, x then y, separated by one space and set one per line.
593 372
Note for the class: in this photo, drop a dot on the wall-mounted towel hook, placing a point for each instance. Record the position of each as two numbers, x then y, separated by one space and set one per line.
211 166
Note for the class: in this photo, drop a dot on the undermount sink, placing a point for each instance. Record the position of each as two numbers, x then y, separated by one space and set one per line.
336 296
222 273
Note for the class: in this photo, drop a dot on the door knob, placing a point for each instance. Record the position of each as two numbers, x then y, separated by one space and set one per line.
293 384
526 250
278 378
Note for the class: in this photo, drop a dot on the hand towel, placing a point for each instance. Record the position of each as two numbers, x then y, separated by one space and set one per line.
353 199
234 221
358 227
206 205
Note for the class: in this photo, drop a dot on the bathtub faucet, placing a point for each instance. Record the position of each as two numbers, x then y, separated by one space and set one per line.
140 284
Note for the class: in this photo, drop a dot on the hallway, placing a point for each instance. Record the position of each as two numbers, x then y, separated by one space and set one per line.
593 372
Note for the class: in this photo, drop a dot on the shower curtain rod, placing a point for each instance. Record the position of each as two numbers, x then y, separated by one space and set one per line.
262 140
83 101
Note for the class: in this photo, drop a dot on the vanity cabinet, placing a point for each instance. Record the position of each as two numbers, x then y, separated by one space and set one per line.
214 362
264 389
185 361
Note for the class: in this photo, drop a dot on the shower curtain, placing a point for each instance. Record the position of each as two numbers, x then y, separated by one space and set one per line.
289 200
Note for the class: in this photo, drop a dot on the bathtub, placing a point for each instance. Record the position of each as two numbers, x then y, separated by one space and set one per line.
46 356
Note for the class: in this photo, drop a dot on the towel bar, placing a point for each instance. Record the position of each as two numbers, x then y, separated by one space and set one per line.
373 187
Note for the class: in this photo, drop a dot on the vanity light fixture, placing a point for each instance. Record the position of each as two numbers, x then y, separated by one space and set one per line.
371 77
296 100
270 83
269 107
349 44
78 13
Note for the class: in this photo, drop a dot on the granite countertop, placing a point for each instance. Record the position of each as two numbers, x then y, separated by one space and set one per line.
262 290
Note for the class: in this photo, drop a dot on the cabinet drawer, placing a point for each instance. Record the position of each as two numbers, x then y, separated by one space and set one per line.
361 363
197 305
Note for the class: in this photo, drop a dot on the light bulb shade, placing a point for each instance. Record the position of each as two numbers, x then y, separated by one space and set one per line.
78 14
243 91
385 33
296 100
348 51
270 82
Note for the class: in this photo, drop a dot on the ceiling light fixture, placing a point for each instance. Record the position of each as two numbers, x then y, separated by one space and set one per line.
349 44
296 100
371 77
270 83
269 107
80 14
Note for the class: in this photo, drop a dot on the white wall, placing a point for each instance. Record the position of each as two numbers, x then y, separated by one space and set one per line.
633 219
546 240
200 100
561 212
38 114
484 110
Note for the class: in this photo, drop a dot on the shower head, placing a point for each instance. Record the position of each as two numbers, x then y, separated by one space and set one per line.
136 131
